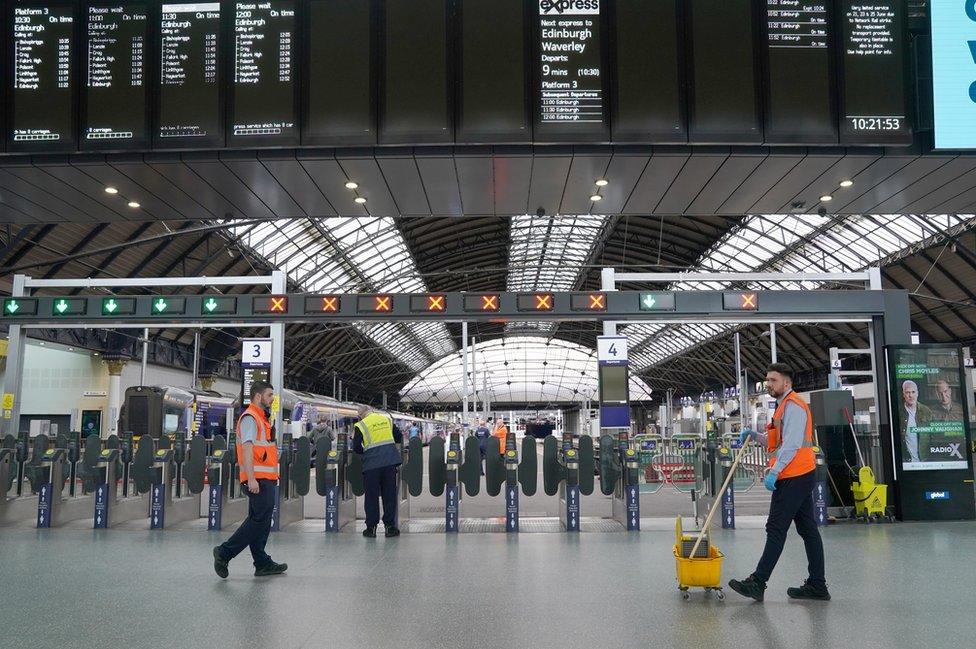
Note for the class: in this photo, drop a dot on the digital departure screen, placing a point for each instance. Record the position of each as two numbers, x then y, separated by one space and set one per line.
954 74
42 99
264 83
571 92
874 102
340 97
115 76
723 98
649 84
190 99
799 82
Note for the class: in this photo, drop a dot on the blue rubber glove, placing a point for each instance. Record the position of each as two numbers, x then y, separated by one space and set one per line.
770 480
746 435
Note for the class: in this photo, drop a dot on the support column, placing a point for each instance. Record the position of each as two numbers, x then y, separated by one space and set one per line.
115 366
278 287
608 282
14 373
464 378
772 342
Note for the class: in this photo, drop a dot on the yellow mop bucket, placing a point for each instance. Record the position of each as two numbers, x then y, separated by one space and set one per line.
870 498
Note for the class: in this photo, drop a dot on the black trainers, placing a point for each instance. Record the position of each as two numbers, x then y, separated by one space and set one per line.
220 566
269 569
392 531
749 587
809 591
370 532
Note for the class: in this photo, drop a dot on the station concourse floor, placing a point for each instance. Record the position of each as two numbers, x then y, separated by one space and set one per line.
901 585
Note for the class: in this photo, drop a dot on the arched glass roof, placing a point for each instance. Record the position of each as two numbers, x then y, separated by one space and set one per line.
517 369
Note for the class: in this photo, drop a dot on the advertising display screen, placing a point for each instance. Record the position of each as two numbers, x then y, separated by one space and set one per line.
42 97
115 114
799 80
571 99
873 88
264 104
190 98
954 73
929 410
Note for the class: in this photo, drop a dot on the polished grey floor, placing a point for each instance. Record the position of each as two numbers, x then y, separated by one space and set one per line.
903 585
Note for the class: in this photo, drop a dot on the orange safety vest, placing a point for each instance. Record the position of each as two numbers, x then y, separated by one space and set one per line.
804 461
501 433
264 451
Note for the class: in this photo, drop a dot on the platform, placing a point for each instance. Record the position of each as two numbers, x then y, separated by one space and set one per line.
476 590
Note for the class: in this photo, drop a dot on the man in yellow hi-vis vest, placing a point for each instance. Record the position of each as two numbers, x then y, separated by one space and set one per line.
376 439
791 478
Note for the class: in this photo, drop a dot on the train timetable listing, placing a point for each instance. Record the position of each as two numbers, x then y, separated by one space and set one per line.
189 93
795 24
43 85
874 73
115 73
571 90
264 101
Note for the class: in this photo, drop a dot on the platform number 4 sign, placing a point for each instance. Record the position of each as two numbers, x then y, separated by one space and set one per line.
612 349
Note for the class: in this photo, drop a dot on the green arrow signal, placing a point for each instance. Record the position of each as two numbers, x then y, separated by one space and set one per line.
649 301
210 305
12 306
61 306
160 305
110 306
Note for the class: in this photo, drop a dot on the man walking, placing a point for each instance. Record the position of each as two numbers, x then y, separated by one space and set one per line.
376 439
257 457
791 478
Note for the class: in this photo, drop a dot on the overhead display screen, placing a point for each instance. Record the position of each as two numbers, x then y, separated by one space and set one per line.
42 116
339 56
873 89
494 97
723 89
417 101
954 73
264 104
571 99
648 84
799 83
115 114
190 96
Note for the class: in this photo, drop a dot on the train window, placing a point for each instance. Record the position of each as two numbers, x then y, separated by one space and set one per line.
171 423
138 415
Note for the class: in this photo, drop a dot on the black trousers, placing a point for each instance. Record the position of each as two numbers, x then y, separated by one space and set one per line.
380 482
793 503
255 529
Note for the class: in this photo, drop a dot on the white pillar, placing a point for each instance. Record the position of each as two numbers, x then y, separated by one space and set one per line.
608 282
464 372
115 366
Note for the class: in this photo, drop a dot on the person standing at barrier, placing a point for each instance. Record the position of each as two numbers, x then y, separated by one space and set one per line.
791 478
501 432
483 434
257 457
376 439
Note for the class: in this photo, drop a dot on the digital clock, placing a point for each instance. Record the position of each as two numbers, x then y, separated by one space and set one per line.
879 123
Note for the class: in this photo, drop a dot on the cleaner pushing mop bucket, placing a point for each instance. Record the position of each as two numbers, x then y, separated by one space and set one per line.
792 463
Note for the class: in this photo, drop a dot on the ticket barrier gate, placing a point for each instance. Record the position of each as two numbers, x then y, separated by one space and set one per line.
625 503
449 469
110 506
169 504
225 506
503 471
568 470
294 473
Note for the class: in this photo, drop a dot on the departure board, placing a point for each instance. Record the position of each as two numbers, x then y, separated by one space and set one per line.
190 110
799 80
723 97
115 76
340 97
264 104
649 91
42 116
571 100
873 89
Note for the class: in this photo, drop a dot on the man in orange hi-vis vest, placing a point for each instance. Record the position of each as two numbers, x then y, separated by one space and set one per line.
257 457
791 478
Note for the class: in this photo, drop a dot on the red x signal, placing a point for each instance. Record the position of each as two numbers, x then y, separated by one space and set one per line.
435 302
330 304
383 303
489 302
279 304
598 302
543 302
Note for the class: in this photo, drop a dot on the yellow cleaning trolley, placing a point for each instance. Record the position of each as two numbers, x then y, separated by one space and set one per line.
698 563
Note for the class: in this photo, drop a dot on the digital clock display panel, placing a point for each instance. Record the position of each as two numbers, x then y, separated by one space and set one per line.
115 114
873 89
42 99
190 97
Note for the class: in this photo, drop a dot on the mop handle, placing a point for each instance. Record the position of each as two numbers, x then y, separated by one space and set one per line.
718 498
850 422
